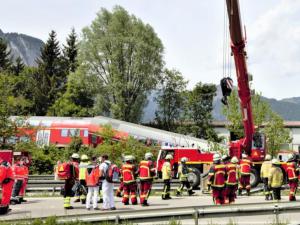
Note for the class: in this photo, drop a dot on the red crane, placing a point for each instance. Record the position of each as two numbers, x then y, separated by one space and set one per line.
254 142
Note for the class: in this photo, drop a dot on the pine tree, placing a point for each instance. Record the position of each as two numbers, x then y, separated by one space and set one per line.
18 66
5 60
52 73
71 51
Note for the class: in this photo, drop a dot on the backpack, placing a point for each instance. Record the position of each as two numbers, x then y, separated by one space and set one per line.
64 171
112 174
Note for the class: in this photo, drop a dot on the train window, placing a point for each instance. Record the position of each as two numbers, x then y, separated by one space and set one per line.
85 133
74 132
64 132
165 153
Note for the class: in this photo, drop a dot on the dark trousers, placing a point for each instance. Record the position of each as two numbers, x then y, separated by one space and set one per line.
69 183
277 193
267 190
166 190
184 183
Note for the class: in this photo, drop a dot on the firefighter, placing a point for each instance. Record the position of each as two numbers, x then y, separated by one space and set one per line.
166 176
129 172
92 176
25 181
216 180
7 182
292 176
20 172
84 162
244 176
146 175
69 183
232 180
275 179
183 171
119 191
264 174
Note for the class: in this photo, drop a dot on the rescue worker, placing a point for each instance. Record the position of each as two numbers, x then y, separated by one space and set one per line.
216 180
146 175
119 191
264 174
129 172
69 183
7 182
166 176
244 176
107 187
25 181
231 181
275 179
20 172
84 162
92 176
291 170
183 172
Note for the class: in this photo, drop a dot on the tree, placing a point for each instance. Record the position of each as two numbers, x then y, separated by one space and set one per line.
18 66
267 121
126 56
52 72
200 105
170 99
5 58
70 52
276 134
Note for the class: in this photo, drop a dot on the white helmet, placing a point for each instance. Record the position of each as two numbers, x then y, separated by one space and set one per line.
128 158
169 156
75 156
275 162
291 157
268 157
234 159
148 155
244 156
184 159
216 157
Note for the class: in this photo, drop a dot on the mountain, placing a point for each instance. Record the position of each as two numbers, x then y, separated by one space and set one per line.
27 47
289 108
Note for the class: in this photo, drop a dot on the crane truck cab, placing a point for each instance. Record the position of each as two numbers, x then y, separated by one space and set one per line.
198 160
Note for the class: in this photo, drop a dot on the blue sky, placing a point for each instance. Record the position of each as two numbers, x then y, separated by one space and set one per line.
191 31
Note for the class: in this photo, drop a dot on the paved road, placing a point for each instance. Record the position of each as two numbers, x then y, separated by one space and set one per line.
43 207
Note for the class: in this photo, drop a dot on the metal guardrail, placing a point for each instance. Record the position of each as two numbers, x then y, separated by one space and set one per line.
180 213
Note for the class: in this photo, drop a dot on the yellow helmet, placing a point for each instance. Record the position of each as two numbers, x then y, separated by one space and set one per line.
84 157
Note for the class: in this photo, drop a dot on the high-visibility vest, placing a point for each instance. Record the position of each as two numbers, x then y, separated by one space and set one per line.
217 175
76 170
146 170
276 177
92 176
231 174
291 170
183 172
265 169
128 173
166 171
20 171
245 167
82 170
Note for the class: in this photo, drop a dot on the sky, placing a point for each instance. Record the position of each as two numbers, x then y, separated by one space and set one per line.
192 32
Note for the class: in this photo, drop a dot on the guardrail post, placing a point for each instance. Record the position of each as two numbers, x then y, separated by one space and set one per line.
276 212
196 216
117 219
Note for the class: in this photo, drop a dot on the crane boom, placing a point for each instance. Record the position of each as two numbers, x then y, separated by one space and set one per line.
254 149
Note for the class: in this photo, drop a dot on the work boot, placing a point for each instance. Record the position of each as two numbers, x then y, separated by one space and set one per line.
23 200
240 192
4 209
267 197
83 201
248 192
191 193
77 200
69 207
178 194
100 200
